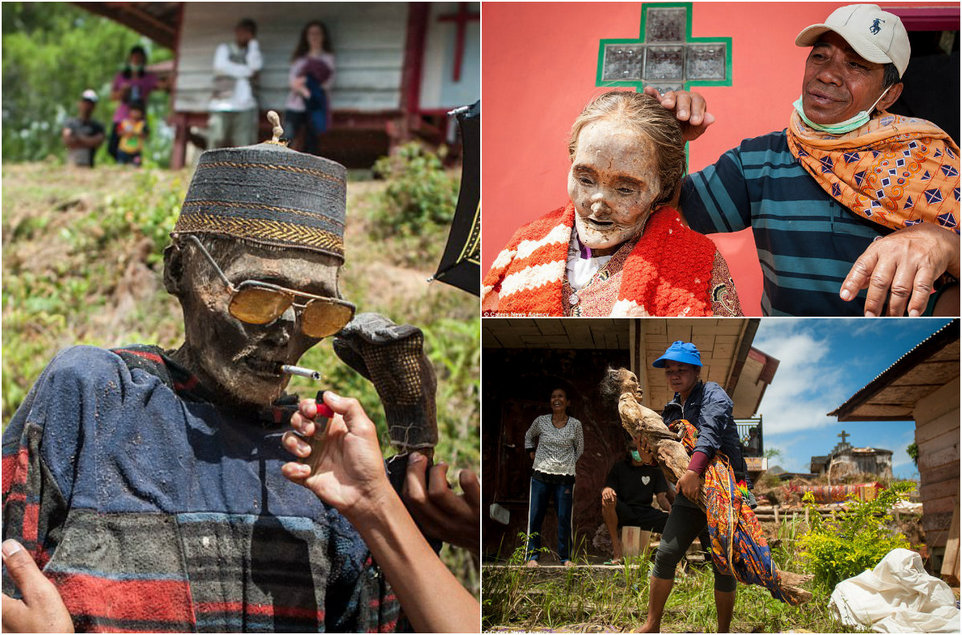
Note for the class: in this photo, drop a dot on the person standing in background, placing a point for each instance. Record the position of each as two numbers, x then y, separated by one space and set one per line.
560 442
233 107
311 77
83 134
132 133
133 84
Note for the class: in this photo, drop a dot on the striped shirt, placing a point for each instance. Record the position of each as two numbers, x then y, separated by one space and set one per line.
558 448
806 241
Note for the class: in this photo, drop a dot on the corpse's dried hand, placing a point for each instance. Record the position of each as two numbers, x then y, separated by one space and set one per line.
441 513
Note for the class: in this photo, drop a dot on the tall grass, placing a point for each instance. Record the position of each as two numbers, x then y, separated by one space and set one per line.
616 599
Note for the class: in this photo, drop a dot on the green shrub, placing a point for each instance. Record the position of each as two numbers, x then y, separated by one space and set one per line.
419 192
853 540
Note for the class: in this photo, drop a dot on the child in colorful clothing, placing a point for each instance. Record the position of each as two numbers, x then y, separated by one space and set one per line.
133 132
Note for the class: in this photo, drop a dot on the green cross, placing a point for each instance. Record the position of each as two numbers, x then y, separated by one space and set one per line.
665 55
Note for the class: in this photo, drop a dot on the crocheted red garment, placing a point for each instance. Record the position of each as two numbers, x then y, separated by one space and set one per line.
666 274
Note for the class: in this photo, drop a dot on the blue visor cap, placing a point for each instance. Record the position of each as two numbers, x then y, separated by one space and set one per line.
679 351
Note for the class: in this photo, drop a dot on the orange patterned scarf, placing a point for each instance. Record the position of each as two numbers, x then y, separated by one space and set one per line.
895 171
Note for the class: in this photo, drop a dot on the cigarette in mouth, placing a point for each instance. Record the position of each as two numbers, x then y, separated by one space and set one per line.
300 372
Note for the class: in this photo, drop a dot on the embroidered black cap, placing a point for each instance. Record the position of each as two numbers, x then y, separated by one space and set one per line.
268 194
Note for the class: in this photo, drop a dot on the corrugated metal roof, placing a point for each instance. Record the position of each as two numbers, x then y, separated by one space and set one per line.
910 378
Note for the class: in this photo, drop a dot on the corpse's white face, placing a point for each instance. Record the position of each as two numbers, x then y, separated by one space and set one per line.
613 183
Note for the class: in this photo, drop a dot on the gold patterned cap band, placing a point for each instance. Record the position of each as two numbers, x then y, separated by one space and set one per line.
268 194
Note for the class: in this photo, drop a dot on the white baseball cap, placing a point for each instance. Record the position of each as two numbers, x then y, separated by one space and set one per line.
89 95
876 35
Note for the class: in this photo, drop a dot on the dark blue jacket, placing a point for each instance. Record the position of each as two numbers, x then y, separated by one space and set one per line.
709 408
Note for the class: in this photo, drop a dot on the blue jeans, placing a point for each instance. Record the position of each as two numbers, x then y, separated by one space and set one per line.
541 494
314 121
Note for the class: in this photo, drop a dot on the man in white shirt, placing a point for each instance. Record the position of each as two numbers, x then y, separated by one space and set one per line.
233 107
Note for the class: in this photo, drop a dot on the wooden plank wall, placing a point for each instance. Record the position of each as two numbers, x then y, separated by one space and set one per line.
937 437
368 43
518 383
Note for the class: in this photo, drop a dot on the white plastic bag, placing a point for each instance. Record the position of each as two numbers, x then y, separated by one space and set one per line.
897 596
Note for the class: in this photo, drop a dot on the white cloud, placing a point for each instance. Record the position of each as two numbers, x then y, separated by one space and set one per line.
806 385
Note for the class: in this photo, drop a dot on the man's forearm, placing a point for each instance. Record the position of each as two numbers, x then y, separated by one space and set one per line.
430 595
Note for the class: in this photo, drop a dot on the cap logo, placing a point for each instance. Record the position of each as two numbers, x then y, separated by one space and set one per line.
876 26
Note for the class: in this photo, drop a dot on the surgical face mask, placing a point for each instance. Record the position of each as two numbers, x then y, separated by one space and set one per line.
850 124
636 456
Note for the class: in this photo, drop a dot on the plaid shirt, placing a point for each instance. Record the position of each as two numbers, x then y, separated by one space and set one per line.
152 510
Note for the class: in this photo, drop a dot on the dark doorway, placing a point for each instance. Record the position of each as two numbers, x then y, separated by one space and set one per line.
931 81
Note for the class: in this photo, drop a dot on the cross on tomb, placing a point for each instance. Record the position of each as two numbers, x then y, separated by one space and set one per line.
665 55
460 19
844 435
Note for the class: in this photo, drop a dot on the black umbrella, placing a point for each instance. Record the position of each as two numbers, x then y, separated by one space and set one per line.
461 263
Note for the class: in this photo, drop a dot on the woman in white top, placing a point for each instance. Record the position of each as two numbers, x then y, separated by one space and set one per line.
560 442
311 77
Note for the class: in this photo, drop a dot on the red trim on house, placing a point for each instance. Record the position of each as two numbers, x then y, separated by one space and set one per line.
417 31
927 18
460 19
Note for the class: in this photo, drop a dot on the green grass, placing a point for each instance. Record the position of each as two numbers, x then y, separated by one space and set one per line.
82 264
593 600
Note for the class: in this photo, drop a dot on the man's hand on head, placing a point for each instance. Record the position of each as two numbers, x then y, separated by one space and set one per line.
42 609
689 108
902 267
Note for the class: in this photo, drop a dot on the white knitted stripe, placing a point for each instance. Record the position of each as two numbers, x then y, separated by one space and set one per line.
559 234
503 259
486 289
628 308
533 277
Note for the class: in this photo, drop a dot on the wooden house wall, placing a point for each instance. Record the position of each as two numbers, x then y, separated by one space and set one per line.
517 386
368 40
438 90
937 437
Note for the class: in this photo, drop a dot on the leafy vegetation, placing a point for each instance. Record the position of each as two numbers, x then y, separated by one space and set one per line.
51 53
913 451
855 539
602 599
420 198
82 264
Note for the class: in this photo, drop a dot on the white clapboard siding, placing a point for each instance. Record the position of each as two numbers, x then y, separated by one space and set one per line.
438 89
368 39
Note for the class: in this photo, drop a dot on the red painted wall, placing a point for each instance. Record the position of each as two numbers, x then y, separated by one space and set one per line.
539 65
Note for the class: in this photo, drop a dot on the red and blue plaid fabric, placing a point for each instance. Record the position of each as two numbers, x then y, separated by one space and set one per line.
152 511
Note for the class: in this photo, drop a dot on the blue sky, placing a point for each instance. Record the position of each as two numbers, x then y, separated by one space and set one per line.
823 362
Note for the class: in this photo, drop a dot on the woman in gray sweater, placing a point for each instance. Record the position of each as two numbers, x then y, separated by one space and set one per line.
560 442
